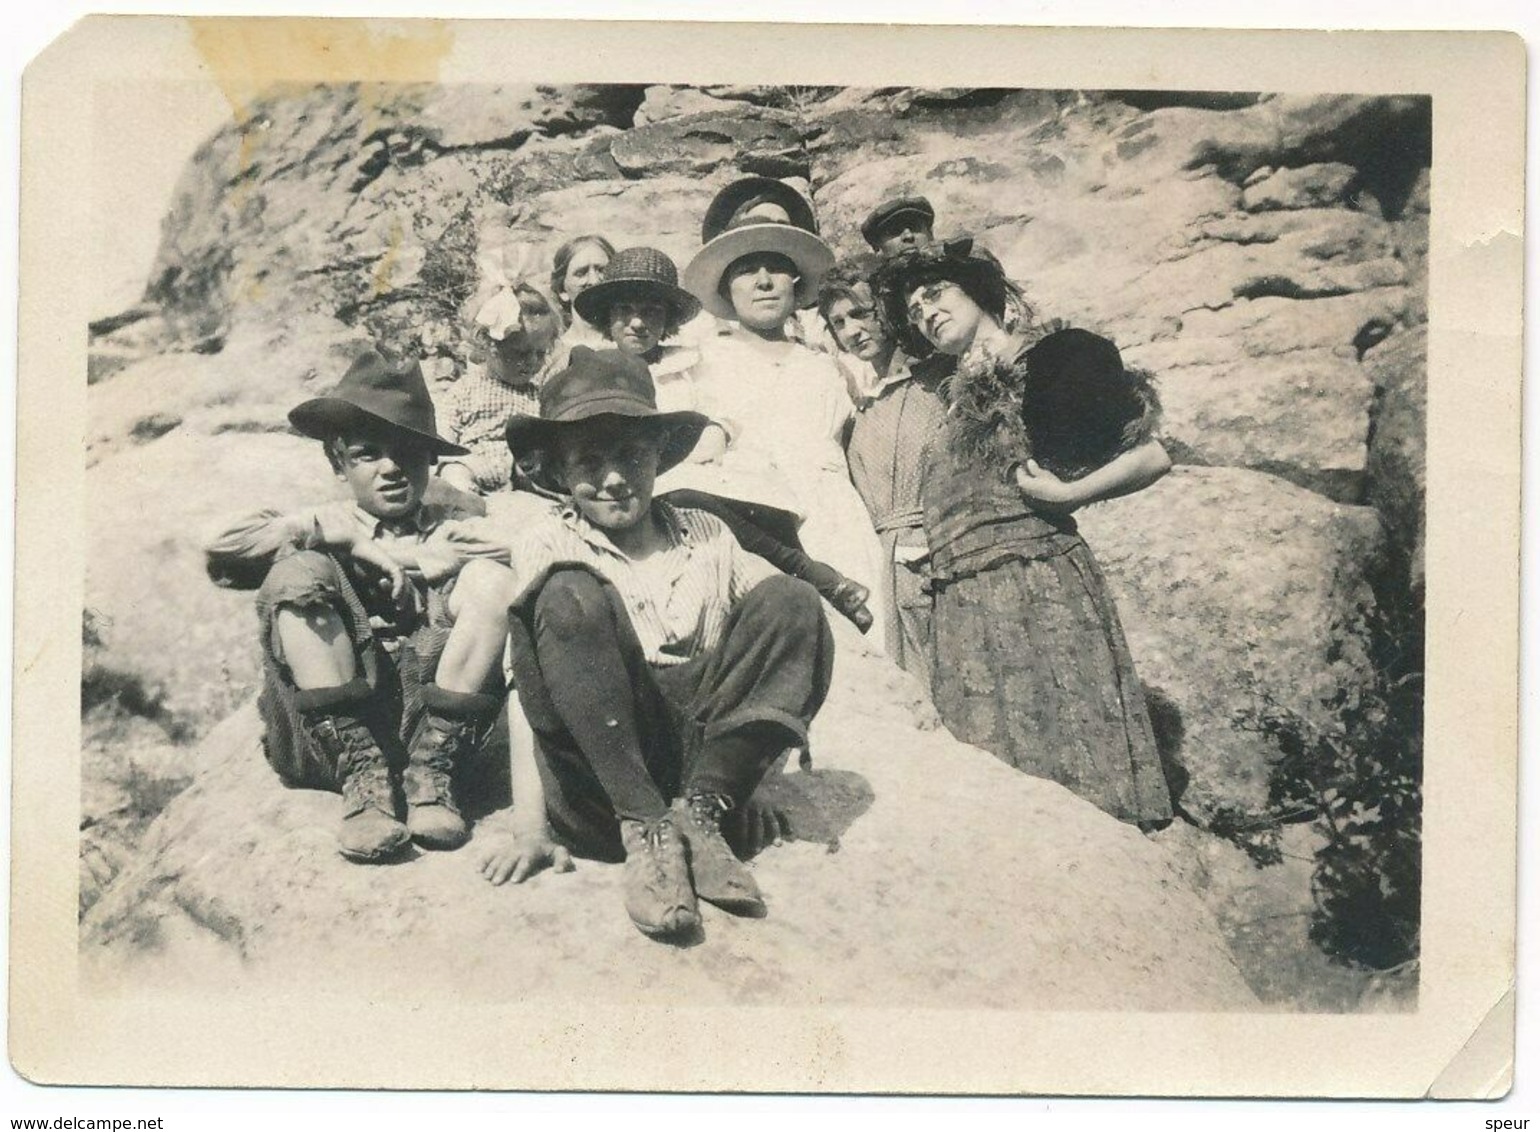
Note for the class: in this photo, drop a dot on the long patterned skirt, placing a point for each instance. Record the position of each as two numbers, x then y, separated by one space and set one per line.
1031 665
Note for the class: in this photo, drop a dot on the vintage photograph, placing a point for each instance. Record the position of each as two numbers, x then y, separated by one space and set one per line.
893 547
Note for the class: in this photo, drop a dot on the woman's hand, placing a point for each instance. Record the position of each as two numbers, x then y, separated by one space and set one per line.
459 476
518 856
1045 491
711 447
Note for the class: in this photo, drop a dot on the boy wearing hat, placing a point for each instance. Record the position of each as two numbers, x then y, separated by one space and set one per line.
899 225
383 620
662 667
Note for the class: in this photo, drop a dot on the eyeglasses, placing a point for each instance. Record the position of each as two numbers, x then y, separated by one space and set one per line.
927 296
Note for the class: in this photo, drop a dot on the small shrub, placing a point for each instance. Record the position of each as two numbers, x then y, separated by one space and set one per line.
1360 779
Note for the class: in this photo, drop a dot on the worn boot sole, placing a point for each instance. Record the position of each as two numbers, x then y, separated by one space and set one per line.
384 851
434 827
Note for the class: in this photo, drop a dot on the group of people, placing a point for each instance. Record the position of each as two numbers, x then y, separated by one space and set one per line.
634 516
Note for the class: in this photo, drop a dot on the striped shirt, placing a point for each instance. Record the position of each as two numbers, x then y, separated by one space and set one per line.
678 598
476 412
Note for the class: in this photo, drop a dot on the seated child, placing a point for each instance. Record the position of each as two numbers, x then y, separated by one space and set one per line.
383 620
662 667
518 327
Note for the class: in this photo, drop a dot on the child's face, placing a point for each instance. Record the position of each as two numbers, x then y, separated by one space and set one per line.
523 354
854 323
609 465
387 474
636 326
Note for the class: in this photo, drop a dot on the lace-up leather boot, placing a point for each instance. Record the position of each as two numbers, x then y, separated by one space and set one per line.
370 830
720 878
454 728
659 898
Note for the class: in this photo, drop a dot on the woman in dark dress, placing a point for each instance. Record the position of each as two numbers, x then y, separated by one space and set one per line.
1030 659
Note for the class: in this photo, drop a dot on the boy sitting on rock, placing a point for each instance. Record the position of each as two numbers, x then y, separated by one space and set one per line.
383 620
662 667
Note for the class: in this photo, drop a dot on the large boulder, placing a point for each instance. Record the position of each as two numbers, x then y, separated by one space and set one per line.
1237 590
927 874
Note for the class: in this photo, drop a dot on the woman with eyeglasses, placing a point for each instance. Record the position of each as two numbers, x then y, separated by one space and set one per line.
1030 659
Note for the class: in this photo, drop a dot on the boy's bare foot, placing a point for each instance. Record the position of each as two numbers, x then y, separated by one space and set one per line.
659 898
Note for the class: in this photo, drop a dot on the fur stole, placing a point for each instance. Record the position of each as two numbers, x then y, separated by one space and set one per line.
1002 416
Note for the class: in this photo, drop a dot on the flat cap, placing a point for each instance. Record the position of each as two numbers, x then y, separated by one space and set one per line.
890 210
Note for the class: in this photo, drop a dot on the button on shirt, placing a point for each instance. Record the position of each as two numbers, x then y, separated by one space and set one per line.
678 598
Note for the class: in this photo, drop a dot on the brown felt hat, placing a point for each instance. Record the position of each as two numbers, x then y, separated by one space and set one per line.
600 383
376 394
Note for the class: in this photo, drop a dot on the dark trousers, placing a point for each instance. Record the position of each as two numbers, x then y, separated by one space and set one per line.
619 738
766 531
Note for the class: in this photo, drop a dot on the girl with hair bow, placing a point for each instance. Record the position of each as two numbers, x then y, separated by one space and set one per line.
516 326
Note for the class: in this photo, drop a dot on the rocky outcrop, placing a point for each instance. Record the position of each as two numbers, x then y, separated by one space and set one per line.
1264 256
902 890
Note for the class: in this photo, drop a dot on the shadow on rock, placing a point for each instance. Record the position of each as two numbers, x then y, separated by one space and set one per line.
1166 721
819 805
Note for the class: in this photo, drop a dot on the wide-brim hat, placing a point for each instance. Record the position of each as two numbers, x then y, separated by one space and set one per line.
812 257
732 197
600 383
883 216
376 395
642 272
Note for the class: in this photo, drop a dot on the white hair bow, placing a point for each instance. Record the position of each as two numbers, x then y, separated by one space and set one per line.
502 270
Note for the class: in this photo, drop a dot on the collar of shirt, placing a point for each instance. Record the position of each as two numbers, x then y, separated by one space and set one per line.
678 534
420 523
530 385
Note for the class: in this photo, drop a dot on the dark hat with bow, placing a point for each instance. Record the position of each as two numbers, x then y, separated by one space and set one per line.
376 394
603 383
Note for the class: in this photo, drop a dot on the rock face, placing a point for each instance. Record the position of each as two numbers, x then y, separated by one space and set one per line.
1236 589
905 892
1263 255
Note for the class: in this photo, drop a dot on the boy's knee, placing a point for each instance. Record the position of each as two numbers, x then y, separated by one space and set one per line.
786 597
305 579
484 584
571 603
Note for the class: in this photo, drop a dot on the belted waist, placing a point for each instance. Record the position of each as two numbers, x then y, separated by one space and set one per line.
903 520
986 544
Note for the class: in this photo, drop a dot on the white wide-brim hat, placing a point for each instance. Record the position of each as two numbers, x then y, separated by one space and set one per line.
811 255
